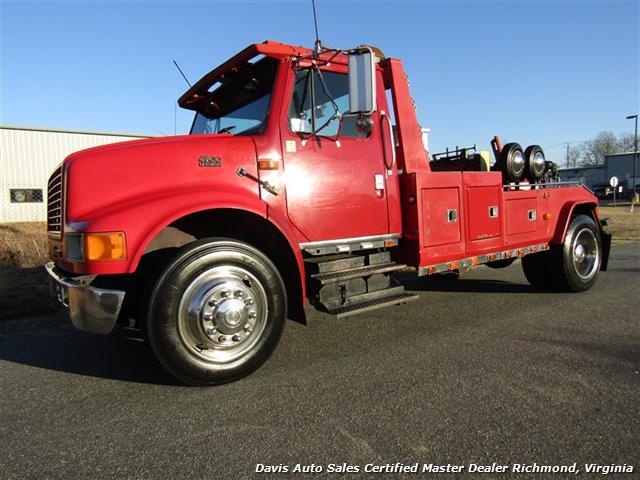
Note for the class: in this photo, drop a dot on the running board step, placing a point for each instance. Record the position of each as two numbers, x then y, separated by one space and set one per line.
331 277
357 308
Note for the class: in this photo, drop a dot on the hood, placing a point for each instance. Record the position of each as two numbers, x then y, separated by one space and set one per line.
115 176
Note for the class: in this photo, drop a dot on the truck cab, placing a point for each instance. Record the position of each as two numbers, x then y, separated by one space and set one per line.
304 179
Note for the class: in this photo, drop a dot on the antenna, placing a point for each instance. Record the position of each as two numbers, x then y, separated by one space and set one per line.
181 73
318 44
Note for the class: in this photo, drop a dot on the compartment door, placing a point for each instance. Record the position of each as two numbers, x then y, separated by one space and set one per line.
522 215
442 216
483 207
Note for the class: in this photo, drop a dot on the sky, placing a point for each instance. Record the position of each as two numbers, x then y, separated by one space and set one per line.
543 72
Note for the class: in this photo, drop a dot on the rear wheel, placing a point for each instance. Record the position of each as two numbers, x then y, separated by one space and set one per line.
574 265
217 312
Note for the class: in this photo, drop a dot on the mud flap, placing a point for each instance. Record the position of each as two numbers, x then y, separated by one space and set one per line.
606 248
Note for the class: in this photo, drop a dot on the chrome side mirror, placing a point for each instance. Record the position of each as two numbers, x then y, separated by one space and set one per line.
362 82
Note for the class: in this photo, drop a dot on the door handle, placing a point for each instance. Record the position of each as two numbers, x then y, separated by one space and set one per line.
378 179
383 116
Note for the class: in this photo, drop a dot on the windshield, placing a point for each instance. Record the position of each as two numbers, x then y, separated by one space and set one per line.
239 102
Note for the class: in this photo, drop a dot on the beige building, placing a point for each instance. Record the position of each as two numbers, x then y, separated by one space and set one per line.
28 156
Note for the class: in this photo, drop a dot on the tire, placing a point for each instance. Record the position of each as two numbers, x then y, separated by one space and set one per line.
217 312
536 270
574 265
534 163
512 162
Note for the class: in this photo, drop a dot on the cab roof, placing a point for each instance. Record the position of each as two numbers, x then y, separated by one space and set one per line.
269 48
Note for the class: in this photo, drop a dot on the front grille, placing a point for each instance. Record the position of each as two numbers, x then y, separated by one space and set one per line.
55 200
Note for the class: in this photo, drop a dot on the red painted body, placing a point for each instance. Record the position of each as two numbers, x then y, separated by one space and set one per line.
327 190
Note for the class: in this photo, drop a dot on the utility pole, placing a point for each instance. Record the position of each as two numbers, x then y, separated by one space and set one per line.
635 158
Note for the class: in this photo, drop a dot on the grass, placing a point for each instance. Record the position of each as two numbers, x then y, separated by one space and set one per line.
23 245
23 280
623 225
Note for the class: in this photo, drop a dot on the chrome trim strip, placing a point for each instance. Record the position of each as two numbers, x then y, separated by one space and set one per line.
482 258
91 309
342 245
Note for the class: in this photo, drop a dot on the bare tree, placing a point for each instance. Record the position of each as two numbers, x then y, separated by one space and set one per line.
594 151
573 155
625 142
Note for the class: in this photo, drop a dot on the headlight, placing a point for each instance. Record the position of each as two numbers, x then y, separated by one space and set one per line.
73 247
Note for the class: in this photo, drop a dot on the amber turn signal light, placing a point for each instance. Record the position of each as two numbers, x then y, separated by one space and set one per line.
105 246
268 165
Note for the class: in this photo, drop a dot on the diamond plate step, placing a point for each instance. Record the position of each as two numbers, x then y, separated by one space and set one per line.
334 263
331 277
355 309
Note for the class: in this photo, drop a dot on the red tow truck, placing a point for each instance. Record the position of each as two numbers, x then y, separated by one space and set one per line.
304 179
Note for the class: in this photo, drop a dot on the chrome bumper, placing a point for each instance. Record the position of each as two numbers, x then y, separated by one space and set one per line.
91 309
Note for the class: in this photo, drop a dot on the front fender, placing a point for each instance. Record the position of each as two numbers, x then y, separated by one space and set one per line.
142 221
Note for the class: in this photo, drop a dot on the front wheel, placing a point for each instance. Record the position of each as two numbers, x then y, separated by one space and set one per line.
217 312
575 264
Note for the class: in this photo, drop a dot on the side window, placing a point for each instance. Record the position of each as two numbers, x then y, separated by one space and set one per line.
311 105
300 119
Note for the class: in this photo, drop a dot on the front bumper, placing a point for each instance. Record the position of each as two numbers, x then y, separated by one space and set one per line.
91 309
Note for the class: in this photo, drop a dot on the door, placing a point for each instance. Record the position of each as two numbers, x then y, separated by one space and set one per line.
335 180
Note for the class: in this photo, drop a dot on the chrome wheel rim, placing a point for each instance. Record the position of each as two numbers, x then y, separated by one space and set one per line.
517 163
222 315
585 254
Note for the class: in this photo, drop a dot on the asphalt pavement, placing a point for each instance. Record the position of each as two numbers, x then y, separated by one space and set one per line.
481 369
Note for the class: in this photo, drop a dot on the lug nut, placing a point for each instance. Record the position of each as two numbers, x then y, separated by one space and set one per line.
252 315
224 293
212 303
222 338
208 317
211 331
238 293
236 338
248 328
248 301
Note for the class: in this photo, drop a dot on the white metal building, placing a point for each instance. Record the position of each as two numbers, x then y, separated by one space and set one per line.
28 156
597 177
